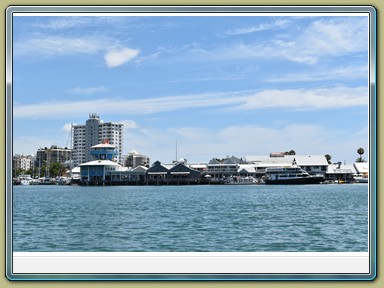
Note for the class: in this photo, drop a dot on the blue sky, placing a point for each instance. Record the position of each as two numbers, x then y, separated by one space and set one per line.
224 85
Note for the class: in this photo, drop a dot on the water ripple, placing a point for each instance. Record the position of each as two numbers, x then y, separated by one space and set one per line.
312 218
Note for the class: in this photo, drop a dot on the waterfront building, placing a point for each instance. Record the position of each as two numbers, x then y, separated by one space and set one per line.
247 170
183 174
362 172
157 173
22 162
342 173
201 167
98 171
129 176
104 151
53 154
103 169
93 132
134 159
176 174
362 168
74 174
261 163
313 164
219 169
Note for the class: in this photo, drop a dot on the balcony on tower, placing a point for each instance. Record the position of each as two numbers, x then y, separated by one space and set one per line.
104 151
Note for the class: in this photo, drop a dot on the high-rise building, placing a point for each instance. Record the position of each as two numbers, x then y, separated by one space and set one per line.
94 132
53 154
46 156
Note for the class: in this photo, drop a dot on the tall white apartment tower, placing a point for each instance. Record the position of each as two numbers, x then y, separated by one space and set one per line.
94 132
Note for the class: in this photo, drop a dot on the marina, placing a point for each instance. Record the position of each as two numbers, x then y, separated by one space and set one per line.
99 161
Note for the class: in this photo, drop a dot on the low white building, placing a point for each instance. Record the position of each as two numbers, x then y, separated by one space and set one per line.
340 172
362 168
224 168
247 170
313 164
135 159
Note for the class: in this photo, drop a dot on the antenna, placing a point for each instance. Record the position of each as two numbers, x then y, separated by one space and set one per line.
176 150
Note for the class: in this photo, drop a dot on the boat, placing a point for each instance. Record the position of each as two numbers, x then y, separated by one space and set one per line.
241 181
24 179
62 180
290 175
361 178
24 182
46 181
34 182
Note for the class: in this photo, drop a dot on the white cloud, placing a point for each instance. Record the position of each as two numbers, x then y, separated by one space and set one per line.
58 45
67 127
321 39
327 73
61 23
327 37
305 99
316 98
120 106
199 144
118 57
49 46
28 145
278 24
129 124
88 90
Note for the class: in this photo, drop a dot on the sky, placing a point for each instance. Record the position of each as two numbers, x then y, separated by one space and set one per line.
216 85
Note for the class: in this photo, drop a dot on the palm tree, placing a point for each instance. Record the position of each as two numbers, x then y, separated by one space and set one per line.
360 151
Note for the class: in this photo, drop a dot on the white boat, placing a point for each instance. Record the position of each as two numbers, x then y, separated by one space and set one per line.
34 182
24 182
241 181
25 179
63 180
361 178
46 181
291 175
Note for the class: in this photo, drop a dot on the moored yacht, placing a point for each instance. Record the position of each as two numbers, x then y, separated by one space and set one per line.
24 179
361 178
241 181
290 175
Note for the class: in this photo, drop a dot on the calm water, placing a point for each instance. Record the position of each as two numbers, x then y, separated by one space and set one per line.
308 218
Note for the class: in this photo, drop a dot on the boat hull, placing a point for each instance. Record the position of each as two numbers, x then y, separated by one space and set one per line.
296 181
24 182
361 180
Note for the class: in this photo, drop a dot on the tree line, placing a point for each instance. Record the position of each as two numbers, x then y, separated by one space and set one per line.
54 169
